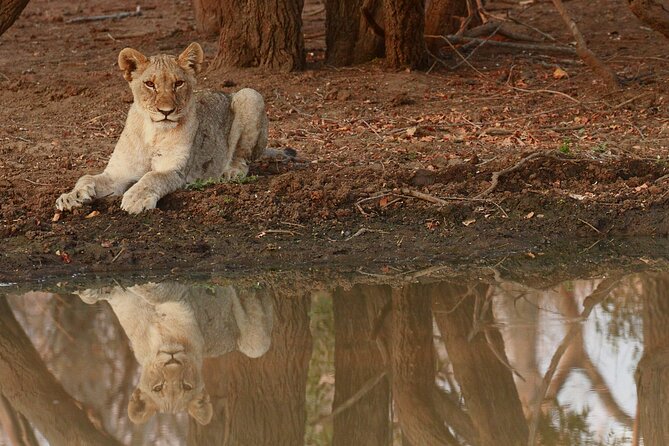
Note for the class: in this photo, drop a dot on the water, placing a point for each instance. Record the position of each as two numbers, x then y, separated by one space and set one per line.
421 358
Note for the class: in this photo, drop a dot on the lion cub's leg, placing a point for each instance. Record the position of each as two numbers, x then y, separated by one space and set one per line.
87 189
248 132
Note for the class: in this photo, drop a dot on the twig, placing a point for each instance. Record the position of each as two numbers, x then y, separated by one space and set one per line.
363 231
589 225
590 59
261 234
366 387
543 90
499 173
118 255
624 103
451 39
120 15
443 201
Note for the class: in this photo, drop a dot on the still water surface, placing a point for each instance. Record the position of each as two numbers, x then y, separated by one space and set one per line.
267 361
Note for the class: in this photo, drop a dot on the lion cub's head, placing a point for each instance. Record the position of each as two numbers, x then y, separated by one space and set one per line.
170 383
162 85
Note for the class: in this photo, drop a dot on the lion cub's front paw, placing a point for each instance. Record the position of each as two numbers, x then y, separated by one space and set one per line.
79 195
138 200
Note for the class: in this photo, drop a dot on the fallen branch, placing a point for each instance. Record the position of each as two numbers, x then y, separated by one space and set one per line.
119 15
456 40
590 59
499 173
444 201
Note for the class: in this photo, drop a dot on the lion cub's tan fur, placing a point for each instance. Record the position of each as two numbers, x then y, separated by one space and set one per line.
174 135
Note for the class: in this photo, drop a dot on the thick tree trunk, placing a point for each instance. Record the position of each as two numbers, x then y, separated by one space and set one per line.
9 12
652 375
486 383
32 390
261 402
443 17
357 361
413 368
654 13
351 34
207 16
404 28
260 33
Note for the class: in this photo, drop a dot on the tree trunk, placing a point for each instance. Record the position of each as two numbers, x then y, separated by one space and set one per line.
652 374
354 32
261 401
32 390
207 16
443 17
404 29
413 368
263 34
357 361
653 13
9 12
486 383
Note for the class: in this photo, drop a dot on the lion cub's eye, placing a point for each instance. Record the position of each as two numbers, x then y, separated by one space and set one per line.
187 387
178 84
150 84
157 388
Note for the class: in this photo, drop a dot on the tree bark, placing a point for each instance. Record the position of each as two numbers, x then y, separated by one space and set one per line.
263 34
413 368
652 374
653 13
208 16
486 383
357 361
404 29
351 35
33 391
9 12
261 401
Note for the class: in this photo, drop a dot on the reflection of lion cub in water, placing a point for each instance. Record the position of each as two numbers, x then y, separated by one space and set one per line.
172 327
173 135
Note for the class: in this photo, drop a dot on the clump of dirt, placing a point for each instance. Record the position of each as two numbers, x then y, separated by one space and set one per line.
409 157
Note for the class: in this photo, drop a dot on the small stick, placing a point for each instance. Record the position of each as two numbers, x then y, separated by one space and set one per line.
589 225
443 202
499 173
511 45
364 230
120 15
118 255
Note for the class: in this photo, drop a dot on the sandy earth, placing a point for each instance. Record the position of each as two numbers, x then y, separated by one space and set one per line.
375 146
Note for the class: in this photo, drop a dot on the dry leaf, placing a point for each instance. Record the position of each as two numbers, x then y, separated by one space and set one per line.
55 217
559 73
383 202
577 197
469 222
530 255
93 214
412 130
530 215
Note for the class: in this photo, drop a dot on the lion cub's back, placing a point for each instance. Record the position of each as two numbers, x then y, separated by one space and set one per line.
211 138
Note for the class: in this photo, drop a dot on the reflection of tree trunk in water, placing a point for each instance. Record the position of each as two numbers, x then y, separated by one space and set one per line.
357 361
486 384
261 401
29 387
413 368
652 375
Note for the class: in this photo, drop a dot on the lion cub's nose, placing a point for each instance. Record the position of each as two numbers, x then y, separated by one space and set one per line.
166 112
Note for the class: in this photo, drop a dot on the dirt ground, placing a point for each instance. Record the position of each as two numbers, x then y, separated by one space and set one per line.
374 145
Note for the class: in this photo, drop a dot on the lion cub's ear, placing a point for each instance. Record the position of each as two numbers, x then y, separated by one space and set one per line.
129 60
140 407
192 57
200 408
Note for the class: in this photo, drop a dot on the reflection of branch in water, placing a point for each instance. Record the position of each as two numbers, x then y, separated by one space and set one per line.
601 292
32 390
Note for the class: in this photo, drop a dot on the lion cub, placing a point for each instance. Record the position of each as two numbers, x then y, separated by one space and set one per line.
174 135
